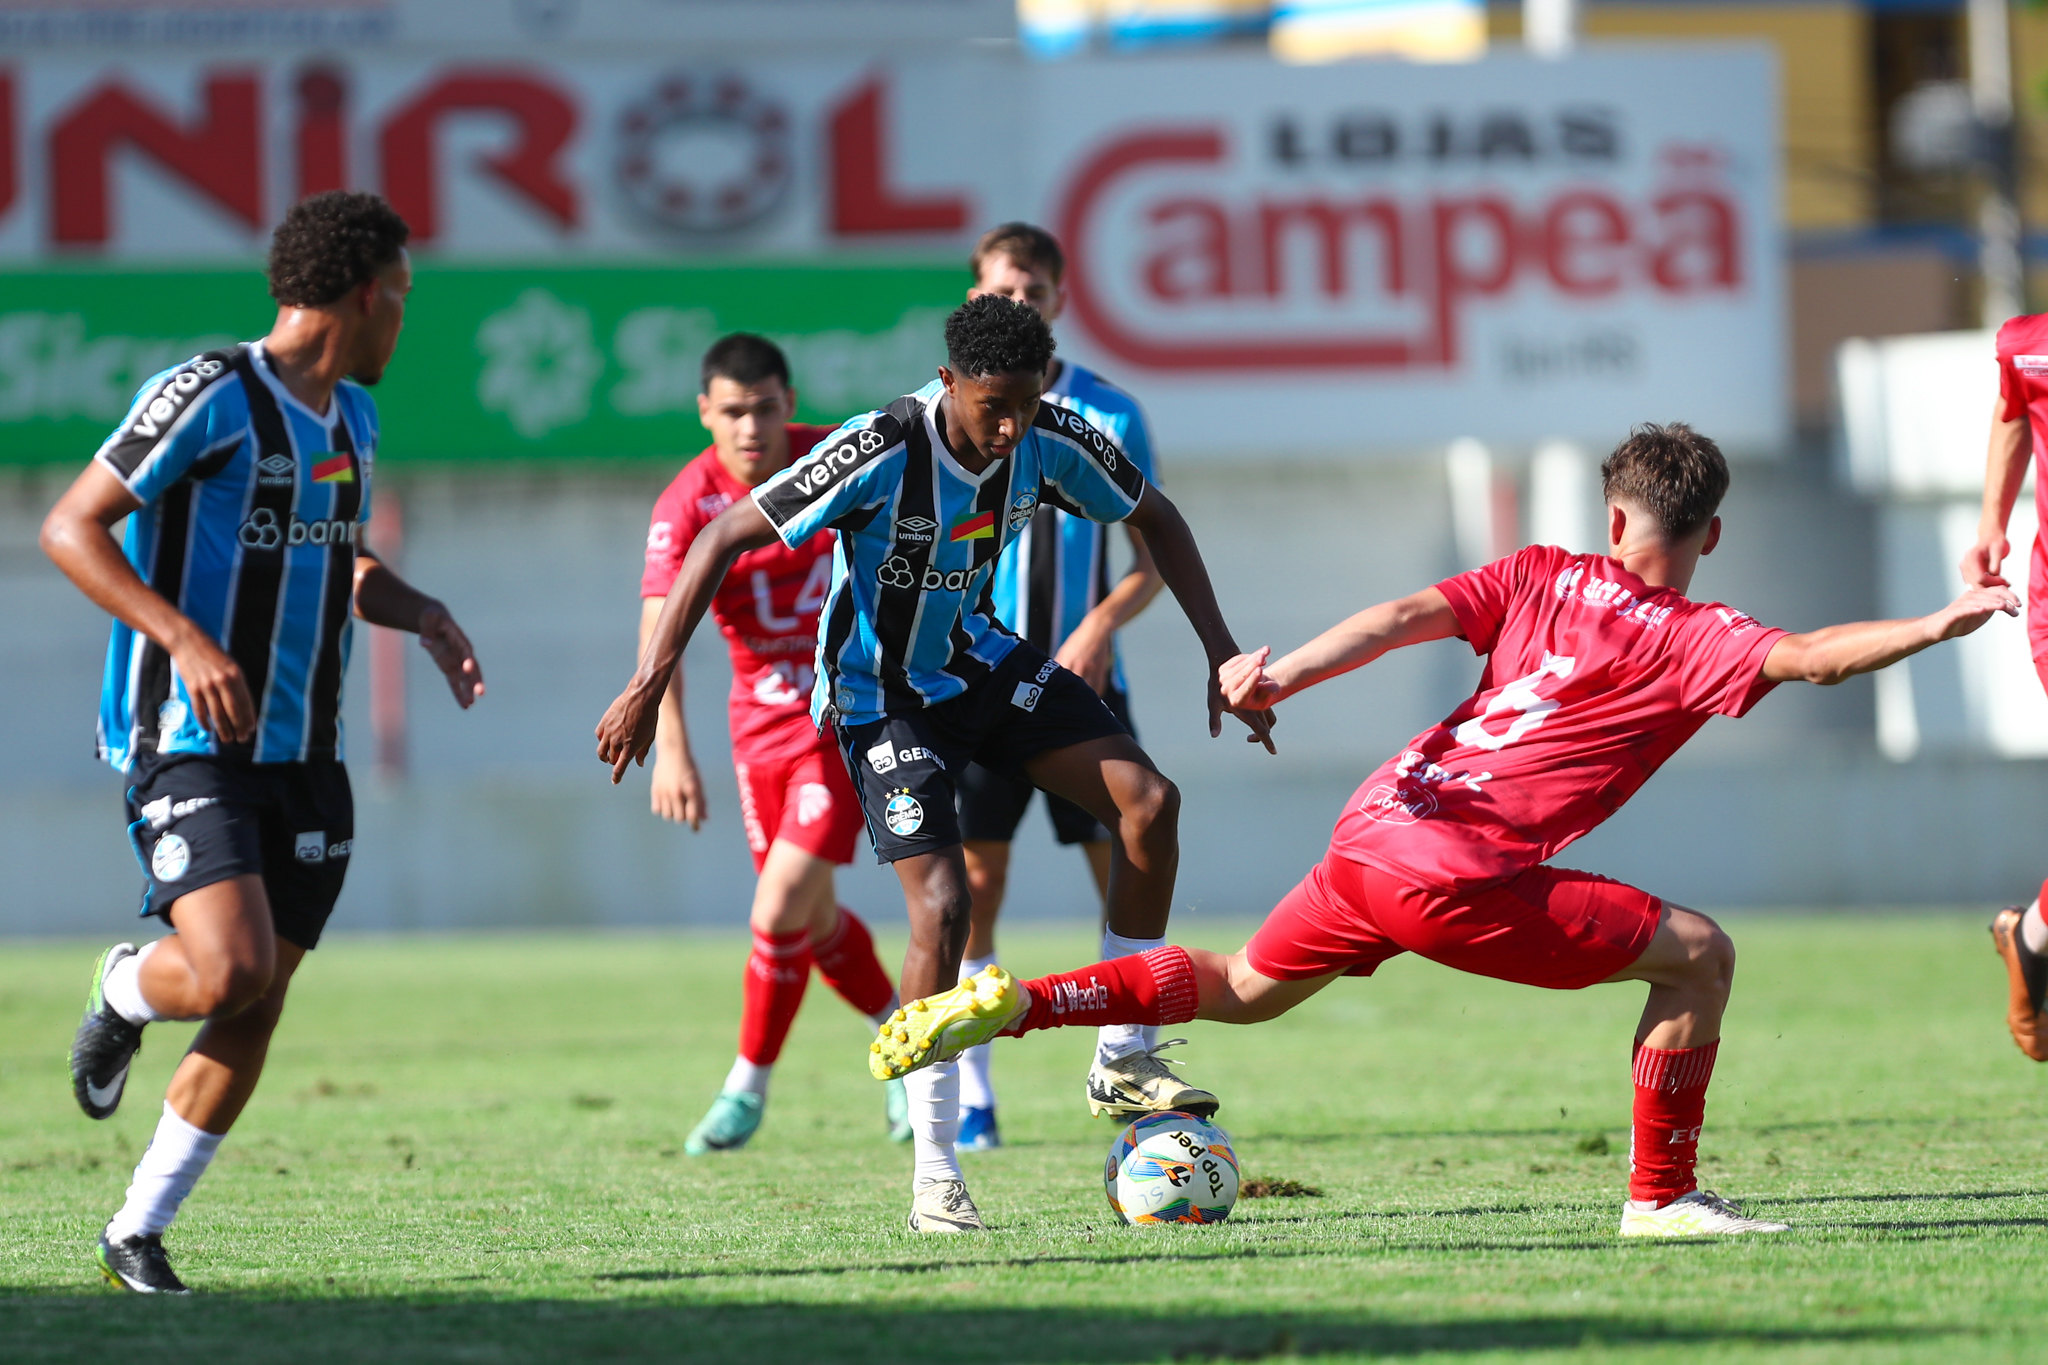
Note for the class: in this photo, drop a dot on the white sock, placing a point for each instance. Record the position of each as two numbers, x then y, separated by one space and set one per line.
2034 930
882 1016
977 1088
123 988
1120 1040
751 1077
934 1096
178 1155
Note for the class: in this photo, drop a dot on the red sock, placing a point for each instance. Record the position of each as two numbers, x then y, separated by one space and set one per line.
1156 986
777 971
846 959
1671 1103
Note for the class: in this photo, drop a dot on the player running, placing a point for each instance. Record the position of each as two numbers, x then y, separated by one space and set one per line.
2020 936
799 807
921 678
1052 590
1598 669
247 474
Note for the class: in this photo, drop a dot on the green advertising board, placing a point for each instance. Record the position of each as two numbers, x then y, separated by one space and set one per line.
495 363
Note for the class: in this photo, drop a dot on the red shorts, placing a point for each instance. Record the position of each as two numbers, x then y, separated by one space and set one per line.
804 799
1548 927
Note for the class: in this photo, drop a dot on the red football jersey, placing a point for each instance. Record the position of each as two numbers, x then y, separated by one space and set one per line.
2023 387
1593 678
767 607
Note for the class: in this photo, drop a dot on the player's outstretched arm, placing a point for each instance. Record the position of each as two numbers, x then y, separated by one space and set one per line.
78 538
384 599
677 792
1180 564
2005 469
1248 680
627 730
1835 653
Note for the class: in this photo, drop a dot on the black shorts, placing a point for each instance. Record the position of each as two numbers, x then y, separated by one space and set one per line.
195 819
905 766
992 804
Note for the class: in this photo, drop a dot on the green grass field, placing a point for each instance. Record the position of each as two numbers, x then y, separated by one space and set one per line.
470 1150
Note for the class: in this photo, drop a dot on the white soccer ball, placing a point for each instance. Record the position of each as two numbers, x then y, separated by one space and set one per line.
1171 1168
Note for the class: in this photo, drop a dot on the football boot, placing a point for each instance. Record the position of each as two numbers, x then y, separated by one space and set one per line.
104 1045
978 1132
732 1119
1702 1213
2026 973
1141 1083
139 1263
944 1206
940 1027
896 1110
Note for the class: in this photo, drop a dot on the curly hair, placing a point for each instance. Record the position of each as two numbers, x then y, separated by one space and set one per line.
1671 472
331 243
991 335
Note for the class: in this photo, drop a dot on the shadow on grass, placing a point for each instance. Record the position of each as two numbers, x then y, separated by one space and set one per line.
231 1329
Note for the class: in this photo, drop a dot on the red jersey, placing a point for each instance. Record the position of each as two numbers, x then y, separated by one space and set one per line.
2023 388
767 607
1593 678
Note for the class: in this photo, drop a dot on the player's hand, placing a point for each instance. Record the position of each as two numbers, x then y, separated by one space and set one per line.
219 693
1983 561
1972 610
452 653
1087 655
1246 684
678 791
627 730
1258 719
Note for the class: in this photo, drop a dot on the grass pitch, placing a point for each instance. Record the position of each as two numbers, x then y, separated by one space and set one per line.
470 1150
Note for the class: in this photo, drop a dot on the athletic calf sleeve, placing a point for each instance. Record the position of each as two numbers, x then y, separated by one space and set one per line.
934 1095
1155 987
777 971
846 959
178 1155
1671 1105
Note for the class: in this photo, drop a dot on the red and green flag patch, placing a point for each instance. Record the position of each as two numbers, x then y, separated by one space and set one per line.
336 466
978 527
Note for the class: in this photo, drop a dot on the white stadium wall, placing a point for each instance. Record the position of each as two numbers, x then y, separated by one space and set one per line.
507 818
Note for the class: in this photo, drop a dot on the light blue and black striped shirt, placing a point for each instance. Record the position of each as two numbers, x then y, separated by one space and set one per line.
1059 568
252 508
909 623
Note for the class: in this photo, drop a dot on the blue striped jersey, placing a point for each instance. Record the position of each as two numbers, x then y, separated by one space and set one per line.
1059 568
252 508
908 623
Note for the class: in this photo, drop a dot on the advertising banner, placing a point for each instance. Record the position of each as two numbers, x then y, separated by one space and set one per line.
1381 256
1353 260
579 363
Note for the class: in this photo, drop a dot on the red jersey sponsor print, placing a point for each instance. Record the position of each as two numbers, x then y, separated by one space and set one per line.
2023 388
767 607
1593 678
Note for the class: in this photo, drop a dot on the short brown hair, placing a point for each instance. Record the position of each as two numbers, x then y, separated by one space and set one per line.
331 243
1671 472
1024 243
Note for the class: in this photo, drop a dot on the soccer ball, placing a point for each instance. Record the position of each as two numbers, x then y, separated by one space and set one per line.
1171 1168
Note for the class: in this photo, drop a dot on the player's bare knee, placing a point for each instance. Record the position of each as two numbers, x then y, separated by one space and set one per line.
1710 962
1151 812
225 989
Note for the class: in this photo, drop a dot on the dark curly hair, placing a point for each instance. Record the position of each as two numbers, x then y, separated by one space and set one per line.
992 335
1671 472
330 243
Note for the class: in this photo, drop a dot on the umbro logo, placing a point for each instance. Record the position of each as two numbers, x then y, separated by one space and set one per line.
918 529
275 470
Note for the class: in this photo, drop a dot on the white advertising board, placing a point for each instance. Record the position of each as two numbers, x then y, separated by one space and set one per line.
1373 254
1348 259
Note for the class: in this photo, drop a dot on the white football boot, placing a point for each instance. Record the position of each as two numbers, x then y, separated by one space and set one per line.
1701 1213
944 1206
